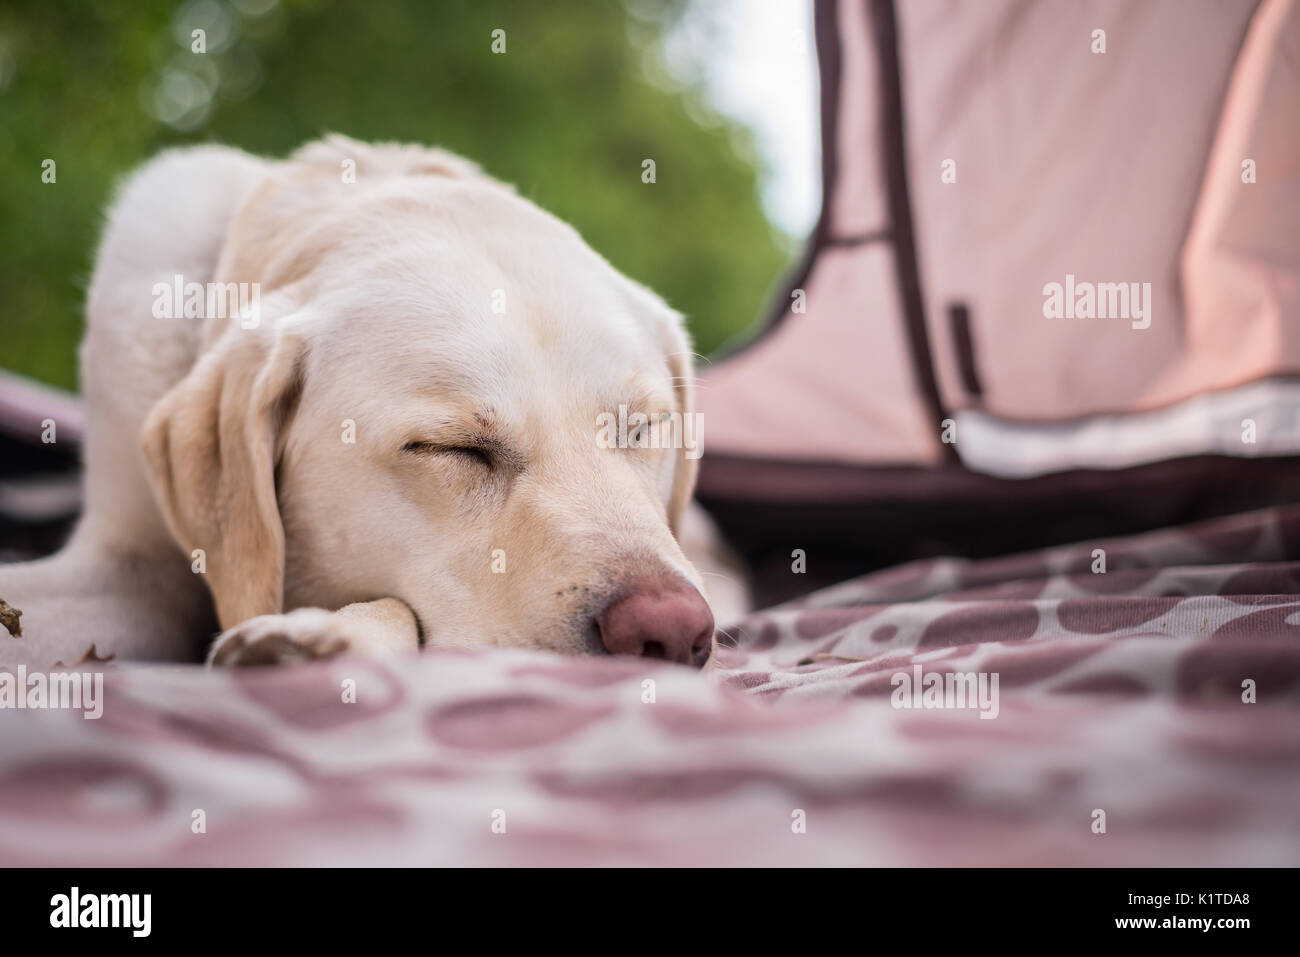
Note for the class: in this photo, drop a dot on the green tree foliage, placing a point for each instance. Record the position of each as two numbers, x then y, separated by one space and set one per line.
568 113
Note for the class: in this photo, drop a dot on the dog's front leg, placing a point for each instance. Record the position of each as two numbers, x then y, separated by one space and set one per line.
309 634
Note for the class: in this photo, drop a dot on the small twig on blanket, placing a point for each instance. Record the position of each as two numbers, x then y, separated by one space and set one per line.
90 657
9 616
827 656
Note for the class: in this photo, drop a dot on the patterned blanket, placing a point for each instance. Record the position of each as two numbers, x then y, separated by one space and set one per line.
1130 702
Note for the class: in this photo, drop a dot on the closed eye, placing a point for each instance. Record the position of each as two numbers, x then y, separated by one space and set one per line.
472 453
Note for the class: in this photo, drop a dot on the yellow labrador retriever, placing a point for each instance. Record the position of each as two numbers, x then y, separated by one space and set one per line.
395 439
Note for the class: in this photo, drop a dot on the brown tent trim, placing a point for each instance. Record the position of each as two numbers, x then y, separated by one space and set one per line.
741 478
851 520
827 33
861 239
964 343
884 28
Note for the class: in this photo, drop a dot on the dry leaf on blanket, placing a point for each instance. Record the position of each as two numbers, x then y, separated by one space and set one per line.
90 657
825 656
9 616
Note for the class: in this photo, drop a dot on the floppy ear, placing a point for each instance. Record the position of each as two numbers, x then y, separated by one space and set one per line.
681 366
211 445
670 328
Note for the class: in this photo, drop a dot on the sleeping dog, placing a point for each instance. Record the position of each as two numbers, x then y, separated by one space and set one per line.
392 441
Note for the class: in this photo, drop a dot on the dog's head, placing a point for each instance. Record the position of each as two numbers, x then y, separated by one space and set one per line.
443 396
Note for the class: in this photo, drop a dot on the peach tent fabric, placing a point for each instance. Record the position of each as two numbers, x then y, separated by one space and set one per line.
976 153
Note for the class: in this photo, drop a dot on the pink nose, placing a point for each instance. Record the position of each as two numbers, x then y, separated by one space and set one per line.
659 618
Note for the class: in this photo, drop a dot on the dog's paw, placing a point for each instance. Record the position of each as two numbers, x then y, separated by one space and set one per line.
306 634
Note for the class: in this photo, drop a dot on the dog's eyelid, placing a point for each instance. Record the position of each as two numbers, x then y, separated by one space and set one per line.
489 450
648 419
422 447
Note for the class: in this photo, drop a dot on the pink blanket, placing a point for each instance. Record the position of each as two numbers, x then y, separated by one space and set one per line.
1022 711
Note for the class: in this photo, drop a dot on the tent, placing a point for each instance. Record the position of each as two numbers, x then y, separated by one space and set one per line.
1053 293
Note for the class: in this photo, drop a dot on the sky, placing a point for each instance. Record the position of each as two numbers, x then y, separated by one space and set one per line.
756 62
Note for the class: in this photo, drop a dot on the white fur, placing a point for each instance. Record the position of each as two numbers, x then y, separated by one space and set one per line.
377 308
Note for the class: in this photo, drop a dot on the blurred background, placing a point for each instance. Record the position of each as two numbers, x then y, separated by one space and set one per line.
723 102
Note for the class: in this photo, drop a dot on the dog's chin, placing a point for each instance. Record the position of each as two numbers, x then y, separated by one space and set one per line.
564 638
